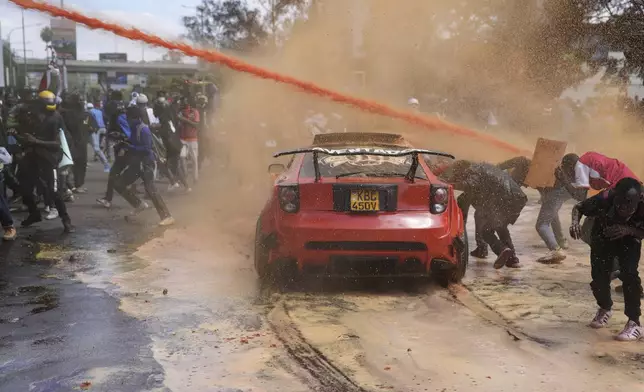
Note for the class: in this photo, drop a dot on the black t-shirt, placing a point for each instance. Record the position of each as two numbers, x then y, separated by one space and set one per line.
602 209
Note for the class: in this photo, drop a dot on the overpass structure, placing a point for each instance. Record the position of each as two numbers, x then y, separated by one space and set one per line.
78 66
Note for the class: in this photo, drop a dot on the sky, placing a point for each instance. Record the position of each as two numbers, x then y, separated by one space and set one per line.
160 17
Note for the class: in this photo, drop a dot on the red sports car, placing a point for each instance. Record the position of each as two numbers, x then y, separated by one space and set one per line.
360 205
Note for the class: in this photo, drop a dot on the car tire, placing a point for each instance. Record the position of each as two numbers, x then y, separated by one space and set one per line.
261 255
456 274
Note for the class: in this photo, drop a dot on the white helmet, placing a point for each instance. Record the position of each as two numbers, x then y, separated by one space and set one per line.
413 102
142 99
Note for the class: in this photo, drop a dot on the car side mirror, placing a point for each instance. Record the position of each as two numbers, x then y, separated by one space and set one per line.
276 168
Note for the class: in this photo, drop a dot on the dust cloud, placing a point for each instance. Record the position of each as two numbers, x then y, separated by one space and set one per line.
258 118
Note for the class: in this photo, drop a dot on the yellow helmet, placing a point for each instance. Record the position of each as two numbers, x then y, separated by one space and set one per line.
49 99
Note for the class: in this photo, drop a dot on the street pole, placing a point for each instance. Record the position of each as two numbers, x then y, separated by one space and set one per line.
24 46
64 73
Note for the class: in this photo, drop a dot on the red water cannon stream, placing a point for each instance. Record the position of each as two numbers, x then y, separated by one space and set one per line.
427 122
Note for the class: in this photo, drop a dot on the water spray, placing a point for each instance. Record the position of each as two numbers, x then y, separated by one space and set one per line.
427 122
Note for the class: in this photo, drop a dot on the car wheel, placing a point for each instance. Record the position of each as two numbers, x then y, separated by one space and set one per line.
456 275
261 254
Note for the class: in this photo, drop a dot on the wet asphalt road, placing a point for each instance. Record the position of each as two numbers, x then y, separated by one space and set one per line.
56 332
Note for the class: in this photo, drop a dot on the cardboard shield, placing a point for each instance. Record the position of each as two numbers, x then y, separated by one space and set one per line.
547 157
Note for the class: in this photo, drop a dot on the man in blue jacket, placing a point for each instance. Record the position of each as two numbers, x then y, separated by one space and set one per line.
118 134
140 164
97 126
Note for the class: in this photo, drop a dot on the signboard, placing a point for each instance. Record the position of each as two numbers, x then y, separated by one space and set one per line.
113 57
64 38
547 157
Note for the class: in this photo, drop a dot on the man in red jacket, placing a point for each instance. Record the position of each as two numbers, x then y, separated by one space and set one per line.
594 171
189 133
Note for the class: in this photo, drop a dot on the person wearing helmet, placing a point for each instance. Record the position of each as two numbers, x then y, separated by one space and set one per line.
42 154
413 104
141 165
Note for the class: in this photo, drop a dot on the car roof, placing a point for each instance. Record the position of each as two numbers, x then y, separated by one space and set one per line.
360 139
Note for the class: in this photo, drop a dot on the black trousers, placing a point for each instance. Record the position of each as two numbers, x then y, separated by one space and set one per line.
119 165
143 169
80 163
32 171
602 255
463 203
498 237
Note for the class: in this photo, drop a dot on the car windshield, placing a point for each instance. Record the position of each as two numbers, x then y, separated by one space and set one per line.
359 166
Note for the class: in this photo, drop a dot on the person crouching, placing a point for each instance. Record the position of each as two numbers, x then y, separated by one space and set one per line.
141 165
498 201
617 233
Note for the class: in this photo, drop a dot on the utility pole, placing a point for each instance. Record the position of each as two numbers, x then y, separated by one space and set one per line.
64 73
24 46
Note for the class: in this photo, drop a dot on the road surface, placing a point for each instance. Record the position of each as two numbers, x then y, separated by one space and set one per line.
127 307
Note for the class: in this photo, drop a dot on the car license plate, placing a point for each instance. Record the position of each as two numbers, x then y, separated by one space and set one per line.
365 200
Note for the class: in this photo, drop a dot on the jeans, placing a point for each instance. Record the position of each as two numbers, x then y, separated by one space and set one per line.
548 223
602 255
5 213
139 168
95 141
193 155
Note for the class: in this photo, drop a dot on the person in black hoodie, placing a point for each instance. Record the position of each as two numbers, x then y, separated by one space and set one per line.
498 201
167 131
77 122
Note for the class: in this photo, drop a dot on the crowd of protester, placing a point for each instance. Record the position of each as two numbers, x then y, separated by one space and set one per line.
47 143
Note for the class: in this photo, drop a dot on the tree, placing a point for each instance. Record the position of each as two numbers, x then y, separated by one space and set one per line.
173 57
279 15
229 24
46 34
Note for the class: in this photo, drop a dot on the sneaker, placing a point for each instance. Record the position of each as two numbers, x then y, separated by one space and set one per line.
479 252
142 207
601 319
513 262
53 214
104 202
80 190
167 221
631 332
553 257
10 233
107 169
503 258
173 187
31 219
68 228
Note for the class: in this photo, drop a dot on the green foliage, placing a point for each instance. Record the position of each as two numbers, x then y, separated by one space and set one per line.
46 34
